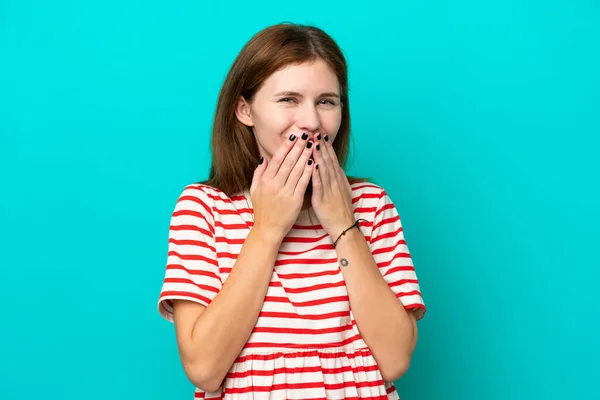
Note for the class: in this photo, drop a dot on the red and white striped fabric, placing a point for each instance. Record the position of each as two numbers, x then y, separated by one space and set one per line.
305 344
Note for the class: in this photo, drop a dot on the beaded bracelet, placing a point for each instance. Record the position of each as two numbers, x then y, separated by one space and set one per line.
343 233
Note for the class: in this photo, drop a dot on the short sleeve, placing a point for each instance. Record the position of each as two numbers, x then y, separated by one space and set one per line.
392 256
192 271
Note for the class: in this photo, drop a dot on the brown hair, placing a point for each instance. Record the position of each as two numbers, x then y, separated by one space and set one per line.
235 152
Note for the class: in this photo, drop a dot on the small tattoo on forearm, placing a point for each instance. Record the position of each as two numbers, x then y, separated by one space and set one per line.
344 262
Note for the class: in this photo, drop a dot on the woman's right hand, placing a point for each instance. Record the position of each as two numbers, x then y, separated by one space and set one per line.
278 187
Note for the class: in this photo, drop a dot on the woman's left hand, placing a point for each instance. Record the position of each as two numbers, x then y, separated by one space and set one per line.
332 196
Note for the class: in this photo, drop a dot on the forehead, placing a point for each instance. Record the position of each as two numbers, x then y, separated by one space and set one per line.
314 76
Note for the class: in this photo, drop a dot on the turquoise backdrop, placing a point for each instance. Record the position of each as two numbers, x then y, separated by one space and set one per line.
481 119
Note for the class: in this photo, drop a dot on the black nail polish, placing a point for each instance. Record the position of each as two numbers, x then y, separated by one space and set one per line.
317 166
326 138
310 162
309 145
261 160
292 137
304 136
318 147
319 137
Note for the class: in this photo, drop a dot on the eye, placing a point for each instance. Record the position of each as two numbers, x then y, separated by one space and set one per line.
286 100
328 102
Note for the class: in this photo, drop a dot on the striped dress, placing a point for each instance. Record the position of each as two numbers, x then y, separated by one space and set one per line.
306 344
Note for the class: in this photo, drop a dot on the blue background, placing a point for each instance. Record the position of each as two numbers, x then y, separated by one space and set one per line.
481 119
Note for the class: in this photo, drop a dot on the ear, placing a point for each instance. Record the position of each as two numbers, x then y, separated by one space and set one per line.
242 112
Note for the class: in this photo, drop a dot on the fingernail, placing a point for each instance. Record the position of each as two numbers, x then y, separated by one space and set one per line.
319 137
327 138
317 166
318 147
310 162
304 136
309 145
261 160
292 137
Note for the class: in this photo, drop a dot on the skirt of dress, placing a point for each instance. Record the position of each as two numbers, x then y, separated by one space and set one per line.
305 375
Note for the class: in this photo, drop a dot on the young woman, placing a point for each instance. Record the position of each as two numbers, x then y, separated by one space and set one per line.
285 278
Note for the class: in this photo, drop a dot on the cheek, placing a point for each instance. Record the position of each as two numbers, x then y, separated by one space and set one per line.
274 121
331 123
270 129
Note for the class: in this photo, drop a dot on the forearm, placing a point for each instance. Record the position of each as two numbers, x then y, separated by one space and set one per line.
386 327
223 329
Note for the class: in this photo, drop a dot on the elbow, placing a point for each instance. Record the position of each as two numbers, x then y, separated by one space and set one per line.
393 372
203 377
395 367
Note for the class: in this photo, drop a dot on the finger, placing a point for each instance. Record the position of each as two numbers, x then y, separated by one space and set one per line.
308 172
335 172
279 156
329 154
258 173
344 182
317 184
321 162
298 170
348 186
291 159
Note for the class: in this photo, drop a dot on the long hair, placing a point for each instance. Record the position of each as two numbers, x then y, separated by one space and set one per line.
235 153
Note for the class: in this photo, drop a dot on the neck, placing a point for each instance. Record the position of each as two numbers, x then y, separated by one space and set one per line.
306 204
307 196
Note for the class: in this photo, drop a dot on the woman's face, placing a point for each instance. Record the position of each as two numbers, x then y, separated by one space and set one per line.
299 98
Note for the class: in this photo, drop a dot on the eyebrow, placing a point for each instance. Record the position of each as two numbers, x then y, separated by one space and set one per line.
289 93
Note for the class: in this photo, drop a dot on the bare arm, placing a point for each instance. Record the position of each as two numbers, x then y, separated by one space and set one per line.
211 338
387 327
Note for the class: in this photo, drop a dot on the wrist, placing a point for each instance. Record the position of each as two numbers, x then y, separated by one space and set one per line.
347 230
347 238
269 237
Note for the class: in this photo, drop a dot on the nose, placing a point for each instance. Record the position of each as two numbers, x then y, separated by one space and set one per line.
308 119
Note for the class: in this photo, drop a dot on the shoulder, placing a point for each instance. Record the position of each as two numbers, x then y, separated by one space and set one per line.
209 198
197 197
198 190
203 192
368 199
367 191
372 202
